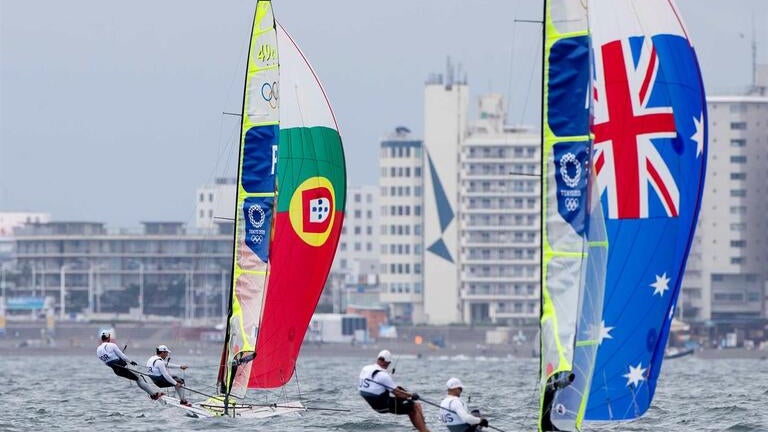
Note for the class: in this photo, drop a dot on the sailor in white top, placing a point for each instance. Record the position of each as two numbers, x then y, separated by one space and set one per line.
113 357
157 367
453 412
375 385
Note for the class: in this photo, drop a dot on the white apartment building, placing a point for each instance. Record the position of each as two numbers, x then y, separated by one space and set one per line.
481 211
215 201
401 188
727 271
499 220
357 257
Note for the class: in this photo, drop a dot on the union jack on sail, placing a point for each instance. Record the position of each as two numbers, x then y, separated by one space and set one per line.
626 158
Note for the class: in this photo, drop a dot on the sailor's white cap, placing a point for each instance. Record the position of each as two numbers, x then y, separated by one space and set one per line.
453 383
163 348
105 333
385 355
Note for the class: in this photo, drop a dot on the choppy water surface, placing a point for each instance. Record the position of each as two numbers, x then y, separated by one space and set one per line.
78 393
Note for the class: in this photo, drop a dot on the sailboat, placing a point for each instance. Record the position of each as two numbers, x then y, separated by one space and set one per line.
622 85
574 247
291 193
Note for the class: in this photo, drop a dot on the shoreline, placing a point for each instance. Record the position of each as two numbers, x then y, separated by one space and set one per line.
10 348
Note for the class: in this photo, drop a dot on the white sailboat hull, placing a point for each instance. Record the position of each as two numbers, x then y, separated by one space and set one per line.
205 410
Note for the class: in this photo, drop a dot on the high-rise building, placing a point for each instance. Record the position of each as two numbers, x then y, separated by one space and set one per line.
445 127
481 211
499 219
727 271
401 188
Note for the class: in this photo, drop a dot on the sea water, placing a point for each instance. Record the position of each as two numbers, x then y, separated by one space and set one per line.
78 393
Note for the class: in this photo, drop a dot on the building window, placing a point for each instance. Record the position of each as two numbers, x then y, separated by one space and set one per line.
738 176
738 243
210 197
738 143
737 260
202 197
738 192
739 159
417 172
357 198
738 125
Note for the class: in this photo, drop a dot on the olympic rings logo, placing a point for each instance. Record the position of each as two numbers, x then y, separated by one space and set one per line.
251 216
570 158
270 93
571 204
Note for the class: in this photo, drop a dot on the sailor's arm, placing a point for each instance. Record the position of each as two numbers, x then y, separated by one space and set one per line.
176 366
462 412
165 374
119 353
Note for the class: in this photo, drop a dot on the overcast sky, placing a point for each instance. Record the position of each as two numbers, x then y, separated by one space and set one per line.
112 111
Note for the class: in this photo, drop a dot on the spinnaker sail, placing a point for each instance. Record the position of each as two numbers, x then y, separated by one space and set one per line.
650 154
289 210
574 248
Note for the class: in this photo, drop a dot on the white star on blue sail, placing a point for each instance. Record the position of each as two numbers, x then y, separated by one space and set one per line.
635 375
698 136
661 285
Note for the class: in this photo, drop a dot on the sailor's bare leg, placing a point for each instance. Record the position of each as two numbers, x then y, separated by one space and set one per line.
417 418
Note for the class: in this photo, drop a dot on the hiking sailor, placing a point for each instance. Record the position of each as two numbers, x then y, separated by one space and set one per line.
158 365
113 357
375 386
453 412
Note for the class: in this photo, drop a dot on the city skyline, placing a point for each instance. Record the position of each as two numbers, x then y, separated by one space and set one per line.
114 115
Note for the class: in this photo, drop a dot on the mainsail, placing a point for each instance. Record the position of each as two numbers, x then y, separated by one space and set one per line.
650 155
574 247
289 210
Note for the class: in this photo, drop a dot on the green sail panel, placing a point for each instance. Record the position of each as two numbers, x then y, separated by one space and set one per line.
573 244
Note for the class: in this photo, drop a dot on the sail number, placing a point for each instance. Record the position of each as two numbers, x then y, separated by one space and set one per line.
266 53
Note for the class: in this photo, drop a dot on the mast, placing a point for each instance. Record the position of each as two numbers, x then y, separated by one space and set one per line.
573 246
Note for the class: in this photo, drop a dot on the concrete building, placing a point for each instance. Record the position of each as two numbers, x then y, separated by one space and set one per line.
480 214
401 236
727 271
215 201
499 220
9 221
445 128
94 270
357 257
